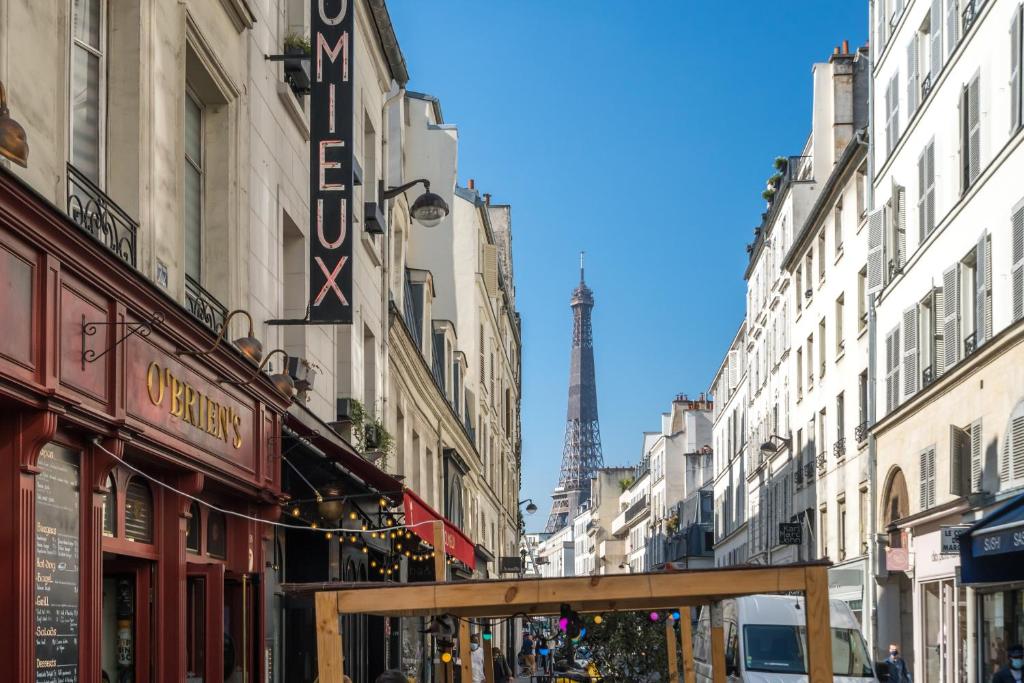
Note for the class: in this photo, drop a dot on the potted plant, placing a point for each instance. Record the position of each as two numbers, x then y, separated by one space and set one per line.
781 163
369 435
775 180
768 195
296 64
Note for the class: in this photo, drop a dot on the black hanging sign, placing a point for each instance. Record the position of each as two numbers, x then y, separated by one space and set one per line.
331 103
790 533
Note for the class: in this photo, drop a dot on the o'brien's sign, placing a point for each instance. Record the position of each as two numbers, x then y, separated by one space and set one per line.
193 406
330 151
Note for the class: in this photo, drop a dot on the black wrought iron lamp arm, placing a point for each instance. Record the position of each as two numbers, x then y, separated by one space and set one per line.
221 336
258 370
143 328
393 192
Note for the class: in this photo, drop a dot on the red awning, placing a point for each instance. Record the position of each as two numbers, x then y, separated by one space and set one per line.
420 518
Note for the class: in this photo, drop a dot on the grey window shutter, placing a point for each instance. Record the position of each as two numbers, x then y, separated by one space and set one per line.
880 24
938 319
981 279
974 128
1017 254
1017 446
952 27
888 373
892 369
900 217
910 373
935 31
959 442
913 87
929 157
922 197
977 458
927 478
1015 68
876 250
951 321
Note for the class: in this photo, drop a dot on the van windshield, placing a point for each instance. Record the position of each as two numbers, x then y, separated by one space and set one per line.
783 649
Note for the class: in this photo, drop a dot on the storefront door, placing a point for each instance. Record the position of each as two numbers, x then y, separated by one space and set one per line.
945 632
241 629
205 645
126 645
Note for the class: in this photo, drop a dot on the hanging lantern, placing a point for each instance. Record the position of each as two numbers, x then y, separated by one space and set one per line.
331 507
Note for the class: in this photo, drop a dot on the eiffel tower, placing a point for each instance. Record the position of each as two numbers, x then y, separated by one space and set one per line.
581 453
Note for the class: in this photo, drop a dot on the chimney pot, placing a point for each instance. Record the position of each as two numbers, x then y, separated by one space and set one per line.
835 50
472 184
487 198
846 47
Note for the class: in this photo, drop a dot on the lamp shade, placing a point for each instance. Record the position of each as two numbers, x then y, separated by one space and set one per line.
284 383
429 209
331 507
531 508
251 347
13 140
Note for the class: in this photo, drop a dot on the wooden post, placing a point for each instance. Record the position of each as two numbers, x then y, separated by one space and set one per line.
488 658
670 647
465 654
329 655
440 563
819 628
717 644
686 636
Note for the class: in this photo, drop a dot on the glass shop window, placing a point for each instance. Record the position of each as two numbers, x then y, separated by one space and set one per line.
110 509
216 535
192 534
138 512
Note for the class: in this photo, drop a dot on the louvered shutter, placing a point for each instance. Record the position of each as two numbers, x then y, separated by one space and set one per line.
922 197
935 31
900 226
988 287
951 321
876 250
913 87
938 317
892 364
959 442
880 26
930 204
1017 446
910 373
977 458
1017 254
927 479
981 278
974 128
1015 75
952 27
734 369
491 269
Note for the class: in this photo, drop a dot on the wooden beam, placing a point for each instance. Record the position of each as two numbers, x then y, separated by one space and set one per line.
329 654
670 649
819 629
686 637
440 561
717 644
465 654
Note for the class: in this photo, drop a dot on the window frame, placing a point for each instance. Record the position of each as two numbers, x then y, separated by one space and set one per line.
101 54
199 167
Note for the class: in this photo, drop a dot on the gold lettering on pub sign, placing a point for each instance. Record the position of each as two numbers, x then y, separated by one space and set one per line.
193 406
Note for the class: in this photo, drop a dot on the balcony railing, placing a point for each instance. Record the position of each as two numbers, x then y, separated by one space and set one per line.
809 472
94 212
860 432
926 87
204 306
635 509
839 448
970 343
970 14
927 376
822 461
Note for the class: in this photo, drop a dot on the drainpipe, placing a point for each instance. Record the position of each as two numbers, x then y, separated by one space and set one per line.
385 285
871 578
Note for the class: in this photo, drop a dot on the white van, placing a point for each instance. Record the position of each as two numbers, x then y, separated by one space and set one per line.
765 642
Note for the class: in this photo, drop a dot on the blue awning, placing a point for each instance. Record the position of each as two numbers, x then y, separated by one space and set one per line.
987 546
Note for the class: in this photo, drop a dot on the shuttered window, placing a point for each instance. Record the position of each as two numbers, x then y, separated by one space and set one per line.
952 27
926 191
110 509
913 75
970 133
193 208
1016 57
910 355
927 478
1011 460
192 533
977 458
138 512
892 116
959 461
876 251
951 317
1017 256
935 32
892 369
983 290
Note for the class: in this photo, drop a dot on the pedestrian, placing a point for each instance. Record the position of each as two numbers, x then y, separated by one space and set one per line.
392 676
529 659
476 658
1012 673
898 670
502 671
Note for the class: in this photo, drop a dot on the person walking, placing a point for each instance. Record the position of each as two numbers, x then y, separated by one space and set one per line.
529 658
502 671
476 659
899 672
1013 672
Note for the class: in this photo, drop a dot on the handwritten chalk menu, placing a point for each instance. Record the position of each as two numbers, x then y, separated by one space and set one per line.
56 570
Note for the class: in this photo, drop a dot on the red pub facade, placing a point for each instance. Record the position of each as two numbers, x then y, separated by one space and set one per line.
125 462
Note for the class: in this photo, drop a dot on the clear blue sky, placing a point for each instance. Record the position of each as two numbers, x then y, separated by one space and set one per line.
642 133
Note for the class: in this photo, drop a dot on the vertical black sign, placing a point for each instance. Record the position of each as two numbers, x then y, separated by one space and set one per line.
56 566
330 160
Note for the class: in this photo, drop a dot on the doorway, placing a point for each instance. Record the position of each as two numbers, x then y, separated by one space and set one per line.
125 644
241 625
205 646
945 631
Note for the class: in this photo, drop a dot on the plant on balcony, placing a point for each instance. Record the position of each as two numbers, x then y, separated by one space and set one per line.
625 484
296 69
672 525
369 435
768 194
781 163
775 180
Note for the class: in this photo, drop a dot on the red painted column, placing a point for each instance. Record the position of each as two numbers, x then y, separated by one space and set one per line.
169 641
90 641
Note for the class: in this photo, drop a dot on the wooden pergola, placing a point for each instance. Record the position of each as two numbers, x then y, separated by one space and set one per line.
586 594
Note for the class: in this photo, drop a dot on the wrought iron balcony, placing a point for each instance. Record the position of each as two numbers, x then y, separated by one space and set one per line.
970 343
927 376
839 448
809 473
822 461
204 306
860 432
798 476
94 212
970 14
926 87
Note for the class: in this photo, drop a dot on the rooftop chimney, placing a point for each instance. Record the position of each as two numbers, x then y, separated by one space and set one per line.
472 184
487 198
846 47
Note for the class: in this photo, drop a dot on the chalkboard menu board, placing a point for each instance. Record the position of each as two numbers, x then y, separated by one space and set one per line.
56 569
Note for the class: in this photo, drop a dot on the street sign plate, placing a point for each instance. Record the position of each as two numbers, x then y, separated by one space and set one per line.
510 565
951 538
790 533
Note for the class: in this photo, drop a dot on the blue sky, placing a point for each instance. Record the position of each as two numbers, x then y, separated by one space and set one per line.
642 133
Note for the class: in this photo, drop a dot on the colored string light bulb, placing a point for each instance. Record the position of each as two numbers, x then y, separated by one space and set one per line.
598 619
353 515
654 616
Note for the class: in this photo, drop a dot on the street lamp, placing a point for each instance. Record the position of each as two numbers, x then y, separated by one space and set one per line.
531 507
428 209
770 447
13 141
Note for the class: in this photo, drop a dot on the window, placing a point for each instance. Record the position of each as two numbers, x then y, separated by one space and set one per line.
216 535
862 299
192 533
810 361
862 521
895 244
841 528
862 192
798 278
88 87
110 508
927 474
840 342
821 348
138 512
809 273
799 373
837 220
970 134
892 114
881 27
841 420
892 369
823 445
1011 458
929 337
862 404
966 459
1017 258
193 208
926 187
952 26
821 255
1016 57
823 531
913 75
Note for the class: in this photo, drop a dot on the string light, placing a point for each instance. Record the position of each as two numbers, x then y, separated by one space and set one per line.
352 538
329 535
365 550
373 564
295 511
383 502
313 525
598 619
353 515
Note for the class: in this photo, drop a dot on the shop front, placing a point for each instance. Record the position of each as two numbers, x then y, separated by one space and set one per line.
135 470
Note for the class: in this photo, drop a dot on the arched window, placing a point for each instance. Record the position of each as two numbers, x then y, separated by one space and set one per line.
110 509
138 512
216 535
897 504
194 526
